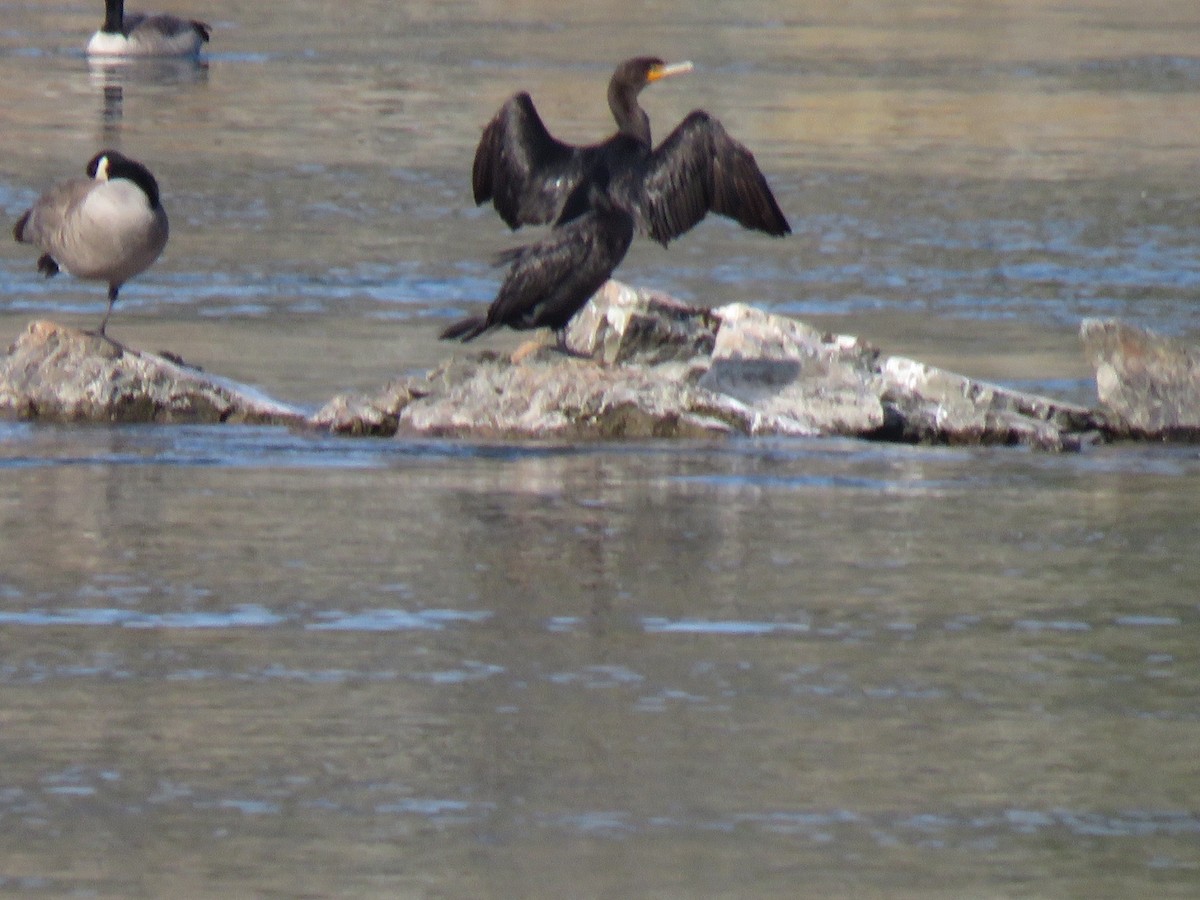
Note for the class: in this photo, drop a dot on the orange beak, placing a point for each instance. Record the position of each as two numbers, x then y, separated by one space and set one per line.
660 72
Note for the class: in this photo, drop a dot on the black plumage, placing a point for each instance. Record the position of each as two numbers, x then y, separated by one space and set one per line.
552 279
530 176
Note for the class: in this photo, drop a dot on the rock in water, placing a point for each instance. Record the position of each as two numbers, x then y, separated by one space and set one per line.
1148 385
60 374
621 324
925 404
796 379
551 396
653 367
660 368
377 415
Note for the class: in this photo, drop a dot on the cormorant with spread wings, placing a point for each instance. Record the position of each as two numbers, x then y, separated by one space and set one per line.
533 178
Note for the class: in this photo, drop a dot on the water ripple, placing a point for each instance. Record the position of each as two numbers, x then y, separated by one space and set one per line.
730 627
393 619
243 616
932 828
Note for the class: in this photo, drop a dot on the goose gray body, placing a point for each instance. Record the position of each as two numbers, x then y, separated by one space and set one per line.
107 227
144 34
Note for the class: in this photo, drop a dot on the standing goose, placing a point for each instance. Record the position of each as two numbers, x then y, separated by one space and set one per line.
551 280
529 175
145 34
108 227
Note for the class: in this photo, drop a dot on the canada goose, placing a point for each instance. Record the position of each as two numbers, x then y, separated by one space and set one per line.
109 226
144 34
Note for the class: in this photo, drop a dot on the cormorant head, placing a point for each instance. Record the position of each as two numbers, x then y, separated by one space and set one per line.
627 82
640 71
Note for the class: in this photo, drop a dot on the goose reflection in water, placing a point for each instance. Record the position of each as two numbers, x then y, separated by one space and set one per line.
113 74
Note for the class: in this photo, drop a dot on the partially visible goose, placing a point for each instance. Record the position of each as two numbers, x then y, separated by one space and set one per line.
144 34
108 227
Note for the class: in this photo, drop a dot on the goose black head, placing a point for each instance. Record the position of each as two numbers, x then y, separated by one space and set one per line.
109 164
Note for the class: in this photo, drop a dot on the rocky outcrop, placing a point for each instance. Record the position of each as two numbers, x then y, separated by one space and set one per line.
376 415
59 374
649 366
795 379
644 365
1148 385
925 404
548 396
623 325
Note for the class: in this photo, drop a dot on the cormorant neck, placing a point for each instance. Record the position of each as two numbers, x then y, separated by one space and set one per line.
632 120
114 17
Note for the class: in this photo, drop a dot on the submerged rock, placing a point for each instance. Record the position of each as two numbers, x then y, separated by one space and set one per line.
1148 385
60 374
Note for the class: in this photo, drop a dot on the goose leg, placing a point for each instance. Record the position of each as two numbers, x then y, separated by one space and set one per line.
112 298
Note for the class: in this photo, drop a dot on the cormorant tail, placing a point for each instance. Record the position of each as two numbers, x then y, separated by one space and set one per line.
465 329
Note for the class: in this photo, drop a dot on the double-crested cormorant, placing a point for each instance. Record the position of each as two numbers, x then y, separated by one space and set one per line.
551 280
142 34
108 227
529 175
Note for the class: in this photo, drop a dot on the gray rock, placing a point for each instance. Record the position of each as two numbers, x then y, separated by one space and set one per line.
802 381
549 395
621 324
649 366
925 404
60 374
1148 384
377 415
669 370
795 379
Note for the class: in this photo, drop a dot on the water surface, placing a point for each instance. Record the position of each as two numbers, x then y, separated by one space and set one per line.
251 662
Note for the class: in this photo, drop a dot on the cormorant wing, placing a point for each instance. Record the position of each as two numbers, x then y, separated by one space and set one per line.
541 271
699 168
550 281
524 170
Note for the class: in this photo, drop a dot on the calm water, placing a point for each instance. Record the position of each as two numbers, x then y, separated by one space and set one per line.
240 662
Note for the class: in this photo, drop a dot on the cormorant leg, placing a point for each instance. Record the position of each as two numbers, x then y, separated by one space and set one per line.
561 345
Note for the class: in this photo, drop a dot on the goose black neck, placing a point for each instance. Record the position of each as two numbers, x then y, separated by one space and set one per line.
118 165
114 17
139 175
